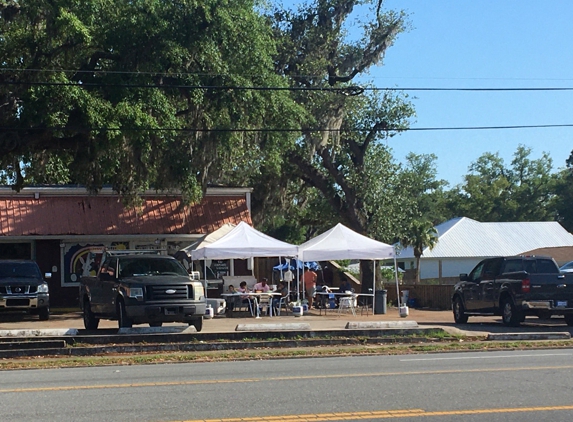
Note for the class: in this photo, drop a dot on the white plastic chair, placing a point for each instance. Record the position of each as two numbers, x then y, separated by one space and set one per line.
283 302
266 302
346 303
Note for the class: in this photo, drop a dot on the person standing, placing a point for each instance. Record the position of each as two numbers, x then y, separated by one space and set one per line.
309 279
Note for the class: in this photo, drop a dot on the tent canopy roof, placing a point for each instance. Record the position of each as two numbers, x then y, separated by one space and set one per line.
205 240
340 242
244 242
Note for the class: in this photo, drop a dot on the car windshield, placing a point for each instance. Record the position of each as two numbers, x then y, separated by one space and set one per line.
150 267
19 270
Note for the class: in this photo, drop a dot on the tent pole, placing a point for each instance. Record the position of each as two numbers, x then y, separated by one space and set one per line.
373 290
298 284
397 287
205 273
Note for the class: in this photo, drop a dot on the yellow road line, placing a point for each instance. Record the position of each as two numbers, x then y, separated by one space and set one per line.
386 414
285 378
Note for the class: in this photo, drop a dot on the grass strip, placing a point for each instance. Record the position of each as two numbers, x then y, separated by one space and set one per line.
259 354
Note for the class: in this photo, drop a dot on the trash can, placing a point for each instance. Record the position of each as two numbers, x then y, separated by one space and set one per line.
380 301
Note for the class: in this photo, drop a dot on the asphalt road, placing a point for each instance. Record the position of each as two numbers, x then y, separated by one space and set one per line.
494 386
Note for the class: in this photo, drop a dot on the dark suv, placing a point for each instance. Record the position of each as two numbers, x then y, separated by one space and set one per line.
134 287
22 288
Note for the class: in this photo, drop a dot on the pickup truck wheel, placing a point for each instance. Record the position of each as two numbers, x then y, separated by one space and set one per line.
122 319
510 315
569 319
155 324
460 316
90 321
197 323
44 314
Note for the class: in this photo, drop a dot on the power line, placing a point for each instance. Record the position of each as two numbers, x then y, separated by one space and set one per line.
265 130
179 74
348 90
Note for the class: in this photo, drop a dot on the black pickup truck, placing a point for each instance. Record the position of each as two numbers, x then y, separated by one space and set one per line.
23 289
135 287
514 287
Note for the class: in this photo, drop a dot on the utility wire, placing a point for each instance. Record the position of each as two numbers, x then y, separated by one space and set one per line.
347 90
265 130
179 74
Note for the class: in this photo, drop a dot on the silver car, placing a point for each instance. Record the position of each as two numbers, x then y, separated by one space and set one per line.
567 268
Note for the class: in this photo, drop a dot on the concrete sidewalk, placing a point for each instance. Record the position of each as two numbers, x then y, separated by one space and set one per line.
477 326
222 324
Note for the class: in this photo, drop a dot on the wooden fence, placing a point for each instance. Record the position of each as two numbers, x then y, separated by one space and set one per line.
433 296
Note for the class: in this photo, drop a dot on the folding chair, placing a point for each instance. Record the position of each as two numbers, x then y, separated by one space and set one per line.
283 301
266 302
246 304
365 304
347 302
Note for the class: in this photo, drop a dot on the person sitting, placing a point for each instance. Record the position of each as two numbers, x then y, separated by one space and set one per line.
231 301
262 287
322 296
283 290
245 299
345 286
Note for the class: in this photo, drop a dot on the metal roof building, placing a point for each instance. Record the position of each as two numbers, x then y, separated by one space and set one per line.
463 242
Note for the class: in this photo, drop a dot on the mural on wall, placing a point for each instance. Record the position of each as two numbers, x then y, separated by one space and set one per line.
84 259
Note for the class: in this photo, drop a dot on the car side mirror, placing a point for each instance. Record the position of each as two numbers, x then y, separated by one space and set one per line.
464 277
48 275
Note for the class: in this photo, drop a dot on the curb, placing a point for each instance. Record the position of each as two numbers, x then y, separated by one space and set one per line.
529 336
381 324
303 326
183 329
40 333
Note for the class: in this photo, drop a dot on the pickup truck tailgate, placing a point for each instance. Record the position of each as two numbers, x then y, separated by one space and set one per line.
552 287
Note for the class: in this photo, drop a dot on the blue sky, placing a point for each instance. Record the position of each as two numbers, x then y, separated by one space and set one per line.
483 44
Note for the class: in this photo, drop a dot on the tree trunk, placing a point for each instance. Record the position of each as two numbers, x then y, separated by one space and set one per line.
367 274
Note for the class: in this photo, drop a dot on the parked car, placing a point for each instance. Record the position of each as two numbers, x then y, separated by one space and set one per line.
135 287
514 287
22 288
567 268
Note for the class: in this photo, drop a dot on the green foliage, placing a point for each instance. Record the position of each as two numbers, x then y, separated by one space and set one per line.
424 187
494 192
337 174
121 116
563 198
420 234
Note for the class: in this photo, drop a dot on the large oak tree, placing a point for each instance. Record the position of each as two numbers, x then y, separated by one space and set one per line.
128 92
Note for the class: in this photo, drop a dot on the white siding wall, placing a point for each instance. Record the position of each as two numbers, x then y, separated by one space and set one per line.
429 268
451 267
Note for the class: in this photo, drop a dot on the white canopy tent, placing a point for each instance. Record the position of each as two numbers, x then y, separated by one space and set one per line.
184 255
208 239
244 242
340 242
